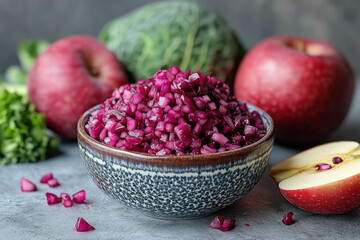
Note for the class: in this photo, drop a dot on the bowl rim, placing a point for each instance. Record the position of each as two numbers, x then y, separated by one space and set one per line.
174 160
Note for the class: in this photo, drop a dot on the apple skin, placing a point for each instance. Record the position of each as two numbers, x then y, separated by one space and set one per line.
71 76
332 198
306 86
331 190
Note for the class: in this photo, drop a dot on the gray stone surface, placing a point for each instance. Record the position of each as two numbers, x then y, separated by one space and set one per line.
27 215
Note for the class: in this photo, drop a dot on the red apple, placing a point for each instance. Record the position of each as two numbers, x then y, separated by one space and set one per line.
306 86
324 179
72 75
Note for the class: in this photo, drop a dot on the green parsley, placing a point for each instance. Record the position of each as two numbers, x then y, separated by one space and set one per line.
23 135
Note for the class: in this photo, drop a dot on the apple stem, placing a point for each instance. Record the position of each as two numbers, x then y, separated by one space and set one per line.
300 46
93 70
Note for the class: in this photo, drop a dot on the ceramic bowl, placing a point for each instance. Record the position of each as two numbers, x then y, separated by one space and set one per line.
176 186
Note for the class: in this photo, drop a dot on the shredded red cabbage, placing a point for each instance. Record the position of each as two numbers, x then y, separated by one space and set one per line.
175 113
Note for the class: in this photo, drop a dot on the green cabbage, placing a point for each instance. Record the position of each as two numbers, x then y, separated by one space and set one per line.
165 34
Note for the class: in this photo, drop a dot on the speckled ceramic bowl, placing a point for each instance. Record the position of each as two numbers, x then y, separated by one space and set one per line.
176 186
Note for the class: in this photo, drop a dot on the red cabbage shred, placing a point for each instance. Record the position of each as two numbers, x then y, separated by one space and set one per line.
175 113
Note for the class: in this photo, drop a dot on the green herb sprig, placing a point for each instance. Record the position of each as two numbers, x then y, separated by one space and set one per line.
23 135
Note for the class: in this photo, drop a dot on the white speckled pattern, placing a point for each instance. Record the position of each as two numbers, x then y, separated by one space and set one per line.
171 192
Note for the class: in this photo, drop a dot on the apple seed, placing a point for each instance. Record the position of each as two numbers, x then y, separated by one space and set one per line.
337 160
323 166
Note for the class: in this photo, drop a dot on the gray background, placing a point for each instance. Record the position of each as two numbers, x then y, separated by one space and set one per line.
337 22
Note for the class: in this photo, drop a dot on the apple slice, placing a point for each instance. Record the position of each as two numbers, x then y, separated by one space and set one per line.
324 179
